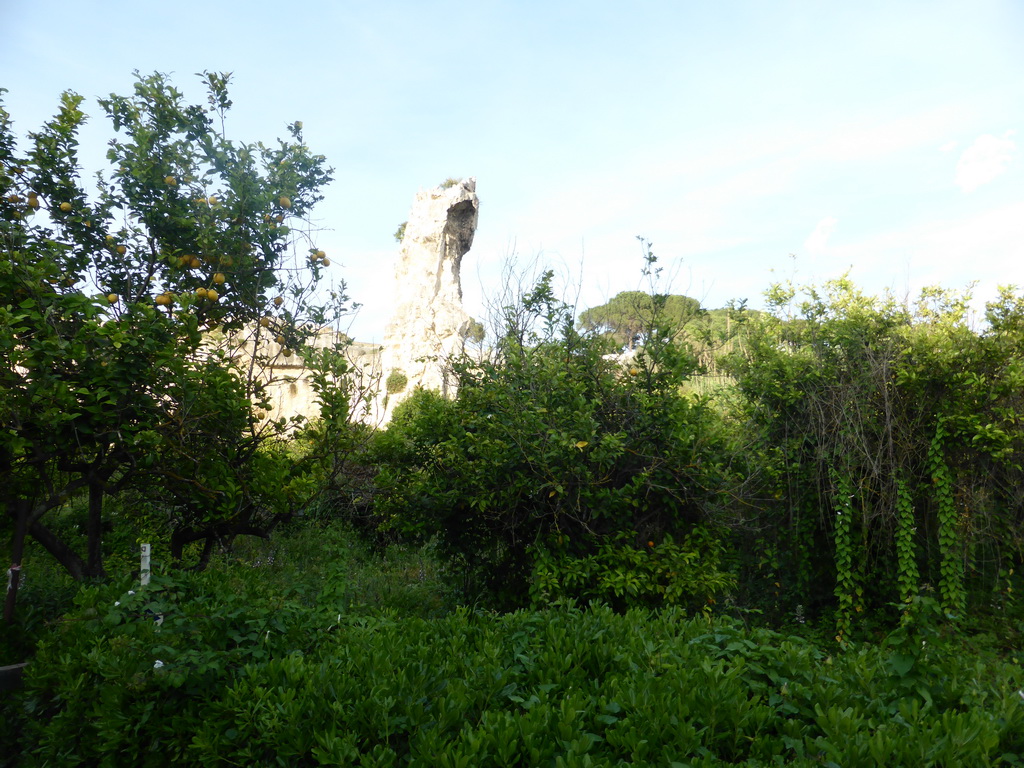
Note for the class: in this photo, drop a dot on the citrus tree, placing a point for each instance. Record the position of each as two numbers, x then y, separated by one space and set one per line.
113 299
559 472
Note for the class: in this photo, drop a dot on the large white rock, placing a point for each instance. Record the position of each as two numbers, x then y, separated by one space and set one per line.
428 323
427 326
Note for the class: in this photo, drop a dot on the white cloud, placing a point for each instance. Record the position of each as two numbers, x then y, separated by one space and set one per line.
818 239
984 160
949 146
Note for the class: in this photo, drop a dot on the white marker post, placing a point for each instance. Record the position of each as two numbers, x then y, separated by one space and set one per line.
144 567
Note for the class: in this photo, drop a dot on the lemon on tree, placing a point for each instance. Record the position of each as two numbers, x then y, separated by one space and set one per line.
159 351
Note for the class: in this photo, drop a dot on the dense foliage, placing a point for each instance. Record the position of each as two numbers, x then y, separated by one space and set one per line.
123 313
858 476
242 667
629 314
558 466
895 435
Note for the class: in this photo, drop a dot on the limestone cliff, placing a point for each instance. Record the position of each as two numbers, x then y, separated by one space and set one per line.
428 323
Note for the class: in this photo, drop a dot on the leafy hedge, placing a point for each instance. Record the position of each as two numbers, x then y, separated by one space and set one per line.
224 682
896 436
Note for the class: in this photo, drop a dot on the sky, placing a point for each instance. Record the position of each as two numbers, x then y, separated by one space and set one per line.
748 141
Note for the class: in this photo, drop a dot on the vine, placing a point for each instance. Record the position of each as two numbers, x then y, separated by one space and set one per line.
951 570
846 583
906 559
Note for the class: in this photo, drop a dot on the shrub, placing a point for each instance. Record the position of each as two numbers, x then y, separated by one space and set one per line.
396 382
896 434
550 443
621 574
556 687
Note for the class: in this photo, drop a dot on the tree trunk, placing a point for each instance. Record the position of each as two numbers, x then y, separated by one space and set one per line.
94 530
226 530
64 555
19 510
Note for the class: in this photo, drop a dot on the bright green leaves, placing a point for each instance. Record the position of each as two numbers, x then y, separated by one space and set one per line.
907 575
551 438
238 676
951 538
842 538
623 574
850 389
113 308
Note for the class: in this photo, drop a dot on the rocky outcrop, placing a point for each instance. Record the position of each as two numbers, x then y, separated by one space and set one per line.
428 323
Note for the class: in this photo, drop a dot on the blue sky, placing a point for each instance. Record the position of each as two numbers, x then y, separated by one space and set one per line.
749 141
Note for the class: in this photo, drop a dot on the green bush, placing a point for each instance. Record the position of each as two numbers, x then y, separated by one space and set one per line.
564 686
552 441
621 574
895 435
396 382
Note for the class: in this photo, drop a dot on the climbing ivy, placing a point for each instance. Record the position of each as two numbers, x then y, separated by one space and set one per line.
911 409
907 572
846 581
951 580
